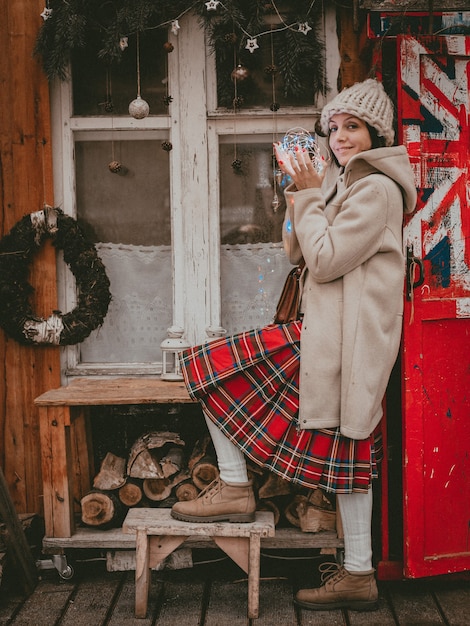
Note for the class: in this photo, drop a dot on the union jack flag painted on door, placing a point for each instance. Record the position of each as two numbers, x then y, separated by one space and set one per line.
435 109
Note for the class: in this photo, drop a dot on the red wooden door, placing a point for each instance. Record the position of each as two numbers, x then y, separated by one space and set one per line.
434 107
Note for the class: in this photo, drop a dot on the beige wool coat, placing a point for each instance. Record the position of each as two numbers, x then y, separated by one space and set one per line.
350 235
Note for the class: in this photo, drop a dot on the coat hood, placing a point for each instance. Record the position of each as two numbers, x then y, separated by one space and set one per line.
393 162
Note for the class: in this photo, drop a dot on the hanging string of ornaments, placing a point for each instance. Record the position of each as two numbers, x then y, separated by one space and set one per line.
230 25
241 33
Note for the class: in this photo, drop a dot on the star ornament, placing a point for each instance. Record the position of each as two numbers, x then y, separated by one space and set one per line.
212 5
304 28
175 27
46 14
123 43
251 45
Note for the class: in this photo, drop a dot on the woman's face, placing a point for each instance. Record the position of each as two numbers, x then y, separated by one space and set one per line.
348 135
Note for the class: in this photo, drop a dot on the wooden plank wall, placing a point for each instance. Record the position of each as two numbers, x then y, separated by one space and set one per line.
354 47
25 185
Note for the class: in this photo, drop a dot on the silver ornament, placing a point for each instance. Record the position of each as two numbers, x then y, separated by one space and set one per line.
139 108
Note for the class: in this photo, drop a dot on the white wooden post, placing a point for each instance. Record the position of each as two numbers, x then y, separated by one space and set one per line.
189 166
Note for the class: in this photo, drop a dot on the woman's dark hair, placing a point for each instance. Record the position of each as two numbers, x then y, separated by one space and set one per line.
377 142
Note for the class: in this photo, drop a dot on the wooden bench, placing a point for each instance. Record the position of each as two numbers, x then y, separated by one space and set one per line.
158 534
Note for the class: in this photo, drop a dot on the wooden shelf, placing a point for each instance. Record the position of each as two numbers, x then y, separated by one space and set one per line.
111 391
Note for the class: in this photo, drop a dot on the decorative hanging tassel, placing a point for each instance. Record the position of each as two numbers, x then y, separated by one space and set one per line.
239 73
272 70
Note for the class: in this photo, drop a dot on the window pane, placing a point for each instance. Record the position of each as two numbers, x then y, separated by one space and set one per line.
99 91
127 215
253 263
131 206
262 83
247 193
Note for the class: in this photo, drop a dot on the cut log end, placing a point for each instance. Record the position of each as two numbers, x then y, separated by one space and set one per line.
147 452
157 489
291 510
172 462
186 490
274 486
131 493
316 513
204 472
101 509
112 473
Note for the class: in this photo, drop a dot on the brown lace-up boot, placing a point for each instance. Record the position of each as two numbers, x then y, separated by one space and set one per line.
341 590
219 502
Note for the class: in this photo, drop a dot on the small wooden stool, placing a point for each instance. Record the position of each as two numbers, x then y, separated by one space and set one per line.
158 534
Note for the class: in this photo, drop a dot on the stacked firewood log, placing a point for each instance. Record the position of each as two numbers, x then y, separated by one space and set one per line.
158 472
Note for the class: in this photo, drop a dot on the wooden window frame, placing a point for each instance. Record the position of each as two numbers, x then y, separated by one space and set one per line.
194 126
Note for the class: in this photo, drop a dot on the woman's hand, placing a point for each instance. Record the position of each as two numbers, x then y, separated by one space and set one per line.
299 167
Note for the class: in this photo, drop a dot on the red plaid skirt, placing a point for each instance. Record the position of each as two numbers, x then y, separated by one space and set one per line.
248 385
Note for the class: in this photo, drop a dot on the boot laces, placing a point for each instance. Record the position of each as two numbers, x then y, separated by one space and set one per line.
215 485
331 571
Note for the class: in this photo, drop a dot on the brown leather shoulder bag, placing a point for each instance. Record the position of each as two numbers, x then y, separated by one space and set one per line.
288 307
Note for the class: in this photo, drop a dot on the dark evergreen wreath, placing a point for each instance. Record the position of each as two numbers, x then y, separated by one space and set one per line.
299 57
17 249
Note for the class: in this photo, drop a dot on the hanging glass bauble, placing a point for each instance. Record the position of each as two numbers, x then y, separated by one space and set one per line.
240 73
139 108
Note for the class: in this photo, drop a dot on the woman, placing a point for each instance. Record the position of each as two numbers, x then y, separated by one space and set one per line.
349 232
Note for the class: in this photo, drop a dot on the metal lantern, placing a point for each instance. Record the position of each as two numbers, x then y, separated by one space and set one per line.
171 347
215 332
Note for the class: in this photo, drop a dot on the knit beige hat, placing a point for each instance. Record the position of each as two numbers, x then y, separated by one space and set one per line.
367 101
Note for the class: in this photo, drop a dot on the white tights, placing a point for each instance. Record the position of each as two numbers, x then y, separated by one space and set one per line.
355 508
230 459
356 515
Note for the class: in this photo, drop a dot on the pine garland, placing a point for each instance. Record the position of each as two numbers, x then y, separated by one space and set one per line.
75 24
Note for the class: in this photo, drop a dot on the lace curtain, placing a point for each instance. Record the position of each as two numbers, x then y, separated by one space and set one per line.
140 312
252 276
